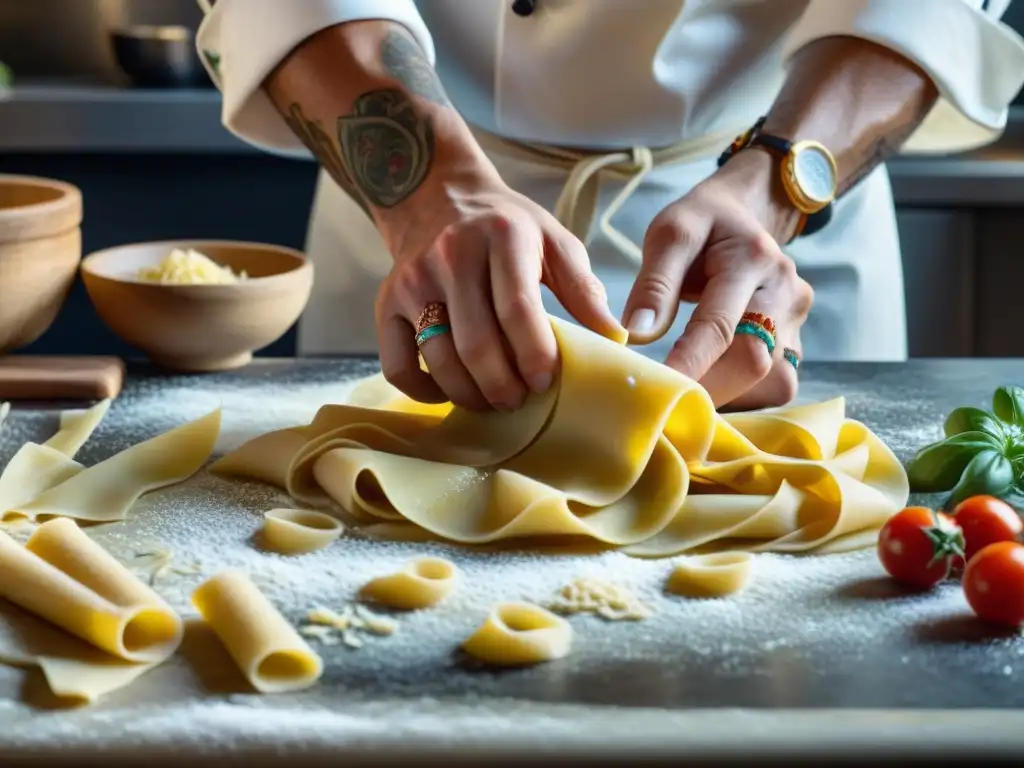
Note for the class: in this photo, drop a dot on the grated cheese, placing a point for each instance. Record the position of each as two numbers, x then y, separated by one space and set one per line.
189 267
605 600
349 626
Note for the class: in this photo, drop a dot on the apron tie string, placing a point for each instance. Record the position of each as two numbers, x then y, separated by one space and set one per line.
577 204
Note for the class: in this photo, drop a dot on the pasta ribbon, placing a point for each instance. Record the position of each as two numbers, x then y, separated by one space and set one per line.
622 450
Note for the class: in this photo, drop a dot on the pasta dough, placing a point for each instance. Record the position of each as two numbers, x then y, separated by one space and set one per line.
422 583
36 468
266 648
44 481
713 575
658 474
516 634
65 578
299 531
106 491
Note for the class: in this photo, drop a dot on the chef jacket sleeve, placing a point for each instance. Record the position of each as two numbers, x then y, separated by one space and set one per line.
242 41
975 60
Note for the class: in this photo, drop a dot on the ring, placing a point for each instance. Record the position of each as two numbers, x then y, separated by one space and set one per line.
430 332
435 313
791 357
762 326
433 321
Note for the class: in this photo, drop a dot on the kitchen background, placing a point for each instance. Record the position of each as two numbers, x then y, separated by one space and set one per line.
156 163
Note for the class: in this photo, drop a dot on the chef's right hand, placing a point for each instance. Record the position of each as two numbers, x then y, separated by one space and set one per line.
482 250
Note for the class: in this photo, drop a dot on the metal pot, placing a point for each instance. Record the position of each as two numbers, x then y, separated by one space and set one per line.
159 57
70 39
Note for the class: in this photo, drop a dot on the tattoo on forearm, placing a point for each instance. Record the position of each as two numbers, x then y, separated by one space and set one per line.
880 150
403 59
387 145
319 142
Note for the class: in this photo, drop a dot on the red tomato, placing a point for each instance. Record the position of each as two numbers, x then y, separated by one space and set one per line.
986 520
918 547
994 583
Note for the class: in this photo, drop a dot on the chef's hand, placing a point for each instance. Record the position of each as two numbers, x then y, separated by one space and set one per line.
718 247
483 251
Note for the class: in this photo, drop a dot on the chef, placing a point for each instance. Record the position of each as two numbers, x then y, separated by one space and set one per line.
707 175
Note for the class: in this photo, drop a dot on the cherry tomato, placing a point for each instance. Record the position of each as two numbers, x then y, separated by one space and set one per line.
918 547
986 520
994 583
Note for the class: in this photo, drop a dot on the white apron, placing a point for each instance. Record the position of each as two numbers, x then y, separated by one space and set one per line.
620 74
853 264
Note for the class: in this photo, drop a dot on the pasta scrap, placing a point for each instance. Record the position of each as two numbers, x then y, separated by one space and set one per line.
517 634
266 648
299 531
421 583
714 575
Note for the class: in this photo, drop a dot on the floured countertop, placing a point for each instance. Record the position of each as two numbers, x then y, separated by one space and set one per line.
704 679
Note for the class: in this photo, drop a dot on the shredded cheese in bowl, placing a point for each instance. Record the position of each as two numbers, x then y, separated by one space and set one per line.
189 267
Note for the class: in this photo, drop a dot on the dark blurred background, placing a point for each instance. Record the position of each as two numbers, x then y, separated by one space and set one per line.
156 163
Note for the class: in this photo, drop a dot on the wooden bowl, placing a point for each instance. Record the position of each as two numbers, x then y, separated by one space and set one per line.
199 327
40 248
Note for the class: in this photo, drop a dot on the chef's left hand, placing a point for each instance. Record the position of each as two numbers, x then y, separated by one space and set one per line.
719 247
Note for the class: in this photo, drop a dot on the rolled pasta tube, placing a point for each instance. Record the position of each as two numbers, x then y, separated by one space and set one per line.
714 575
516 634
266 648
299 531
140 633
421 583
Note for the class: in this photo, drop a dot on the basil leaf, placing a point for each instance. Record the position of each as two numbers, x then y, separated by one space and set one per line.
988 473
1008 405
968 419
938 467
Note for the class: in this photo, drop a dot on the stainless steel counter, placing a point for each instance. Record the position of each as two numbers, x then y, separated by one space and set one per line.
98 119
821 659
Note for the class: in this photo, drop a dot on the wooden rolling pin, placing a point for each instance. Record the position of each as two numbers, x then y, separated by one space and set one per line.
45 377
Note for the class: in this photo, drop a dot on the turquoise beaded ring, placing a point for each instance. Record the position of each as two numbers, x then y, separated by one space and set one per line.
762 326
791 357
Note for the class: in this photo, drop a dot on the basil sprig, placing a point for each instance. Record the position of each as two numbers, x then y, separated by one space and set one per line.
982 453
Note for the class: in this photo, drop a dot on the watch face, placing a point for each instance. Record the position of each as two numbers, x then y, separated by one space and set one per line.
815 174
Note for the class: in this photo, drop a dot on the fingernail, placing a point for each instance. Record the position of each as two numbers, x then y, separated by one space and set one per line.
540 382
642 321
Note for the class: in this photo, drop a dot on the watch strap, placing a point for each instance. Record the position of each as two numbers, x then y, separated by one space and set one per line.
779 147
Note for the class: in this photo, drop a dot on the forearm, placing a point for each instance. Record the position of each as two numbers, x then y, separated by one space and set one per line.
859 99
366 102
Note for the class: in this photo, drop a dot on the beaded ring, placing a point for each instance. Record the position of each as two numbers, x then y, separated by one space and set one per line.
433 321
757 324
791 357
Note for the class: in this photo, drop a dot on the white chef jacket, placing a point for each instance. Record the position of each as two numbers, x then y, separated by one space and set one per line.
618 74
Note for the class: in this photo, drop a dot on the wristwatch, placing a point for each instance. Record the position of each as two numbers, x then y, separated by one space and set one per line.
808 171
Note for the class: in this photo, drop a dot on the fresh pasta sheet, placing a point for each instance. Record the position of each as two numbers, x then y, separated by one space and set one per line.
622 451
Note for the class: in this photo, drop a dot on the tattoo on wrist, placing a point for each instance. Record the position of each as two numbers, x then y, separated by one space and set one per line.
404 60
319 142
387 145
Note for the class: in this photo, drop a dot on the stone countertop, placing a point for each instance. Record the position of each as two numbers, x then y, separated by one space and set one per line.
92 119
820 658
